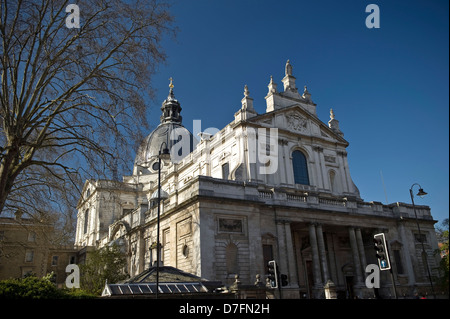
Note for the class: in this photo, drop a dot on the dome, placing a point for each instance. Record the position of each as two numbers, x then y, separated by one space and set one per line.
160 138
170 134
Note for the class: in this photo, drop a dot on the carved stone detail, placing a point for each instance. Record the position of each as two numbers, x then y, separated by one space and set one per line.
296 122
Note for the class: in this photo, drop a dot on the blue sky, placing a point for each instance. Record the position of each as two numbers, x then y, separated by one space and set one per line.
388 87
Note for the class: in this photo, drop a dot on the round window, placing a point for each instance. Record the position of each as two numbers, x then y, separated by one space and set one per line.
155 166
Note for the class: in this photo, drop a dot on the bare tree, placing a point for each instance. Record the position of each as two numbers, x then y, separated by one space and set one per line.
73 100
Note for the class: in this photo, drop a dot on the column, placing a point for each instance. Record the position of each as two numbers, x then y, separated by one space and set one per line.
322 253
315 256
332 258
362 254
292 273
355 255
140 250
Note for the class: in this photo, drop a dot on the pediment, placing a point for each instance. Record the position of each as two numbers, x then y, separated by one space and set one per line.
295 120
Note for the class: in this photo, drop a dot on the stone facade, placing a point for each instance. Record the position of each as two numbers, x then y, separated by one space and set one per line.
268 186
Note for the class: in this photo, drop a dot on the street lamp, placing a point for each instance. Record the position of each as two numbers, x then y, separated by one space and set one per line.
421 193
164 154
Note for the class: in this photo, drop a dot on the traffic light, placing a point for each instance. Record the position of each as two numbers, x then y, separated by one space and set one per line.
284 281
273 273
381 251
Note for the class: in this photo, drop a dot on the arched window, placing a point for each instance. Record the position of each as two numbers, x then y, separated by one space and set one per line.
300 168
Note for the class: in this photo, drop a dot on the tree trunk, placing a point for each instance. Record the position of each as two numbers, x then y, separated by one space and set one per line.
8 173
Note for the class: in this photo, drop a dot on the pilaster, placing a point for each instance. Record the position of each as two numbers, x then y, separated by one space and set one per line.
406 254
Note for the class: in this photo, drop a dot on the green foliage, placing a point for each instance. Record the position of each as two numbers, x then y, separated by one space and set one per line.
77 293
442 235
106 264
29 288
32 287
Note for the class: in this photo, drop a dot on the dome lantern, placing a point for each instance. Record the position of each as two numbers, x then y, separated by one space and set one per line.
169 132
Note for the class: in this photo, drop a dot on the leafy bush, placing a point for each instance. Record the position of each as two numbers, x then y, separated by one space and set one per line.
29 288
33 287
79 294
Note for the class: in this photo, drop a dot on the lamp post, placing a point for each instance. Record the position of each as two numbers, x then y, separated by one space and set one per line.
421 193
164 154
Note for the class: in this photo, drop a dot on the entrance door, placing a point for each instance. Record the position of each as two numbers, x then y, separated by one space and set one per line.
349 287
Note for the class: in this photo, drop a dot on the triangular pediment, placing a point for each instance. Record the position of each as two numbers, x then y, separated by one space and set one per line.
296 120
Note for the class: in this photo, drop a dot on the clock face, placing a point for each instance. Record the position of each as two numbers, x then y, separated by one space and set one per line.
155 166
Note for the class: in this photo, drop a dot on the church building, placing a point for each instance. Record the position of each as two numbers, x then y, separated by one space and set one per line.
271 186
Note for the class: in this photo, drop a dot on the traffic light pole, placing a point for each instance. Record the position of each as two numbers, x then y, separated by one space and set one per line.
384 258
393 284
276 278
392 279
279 290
